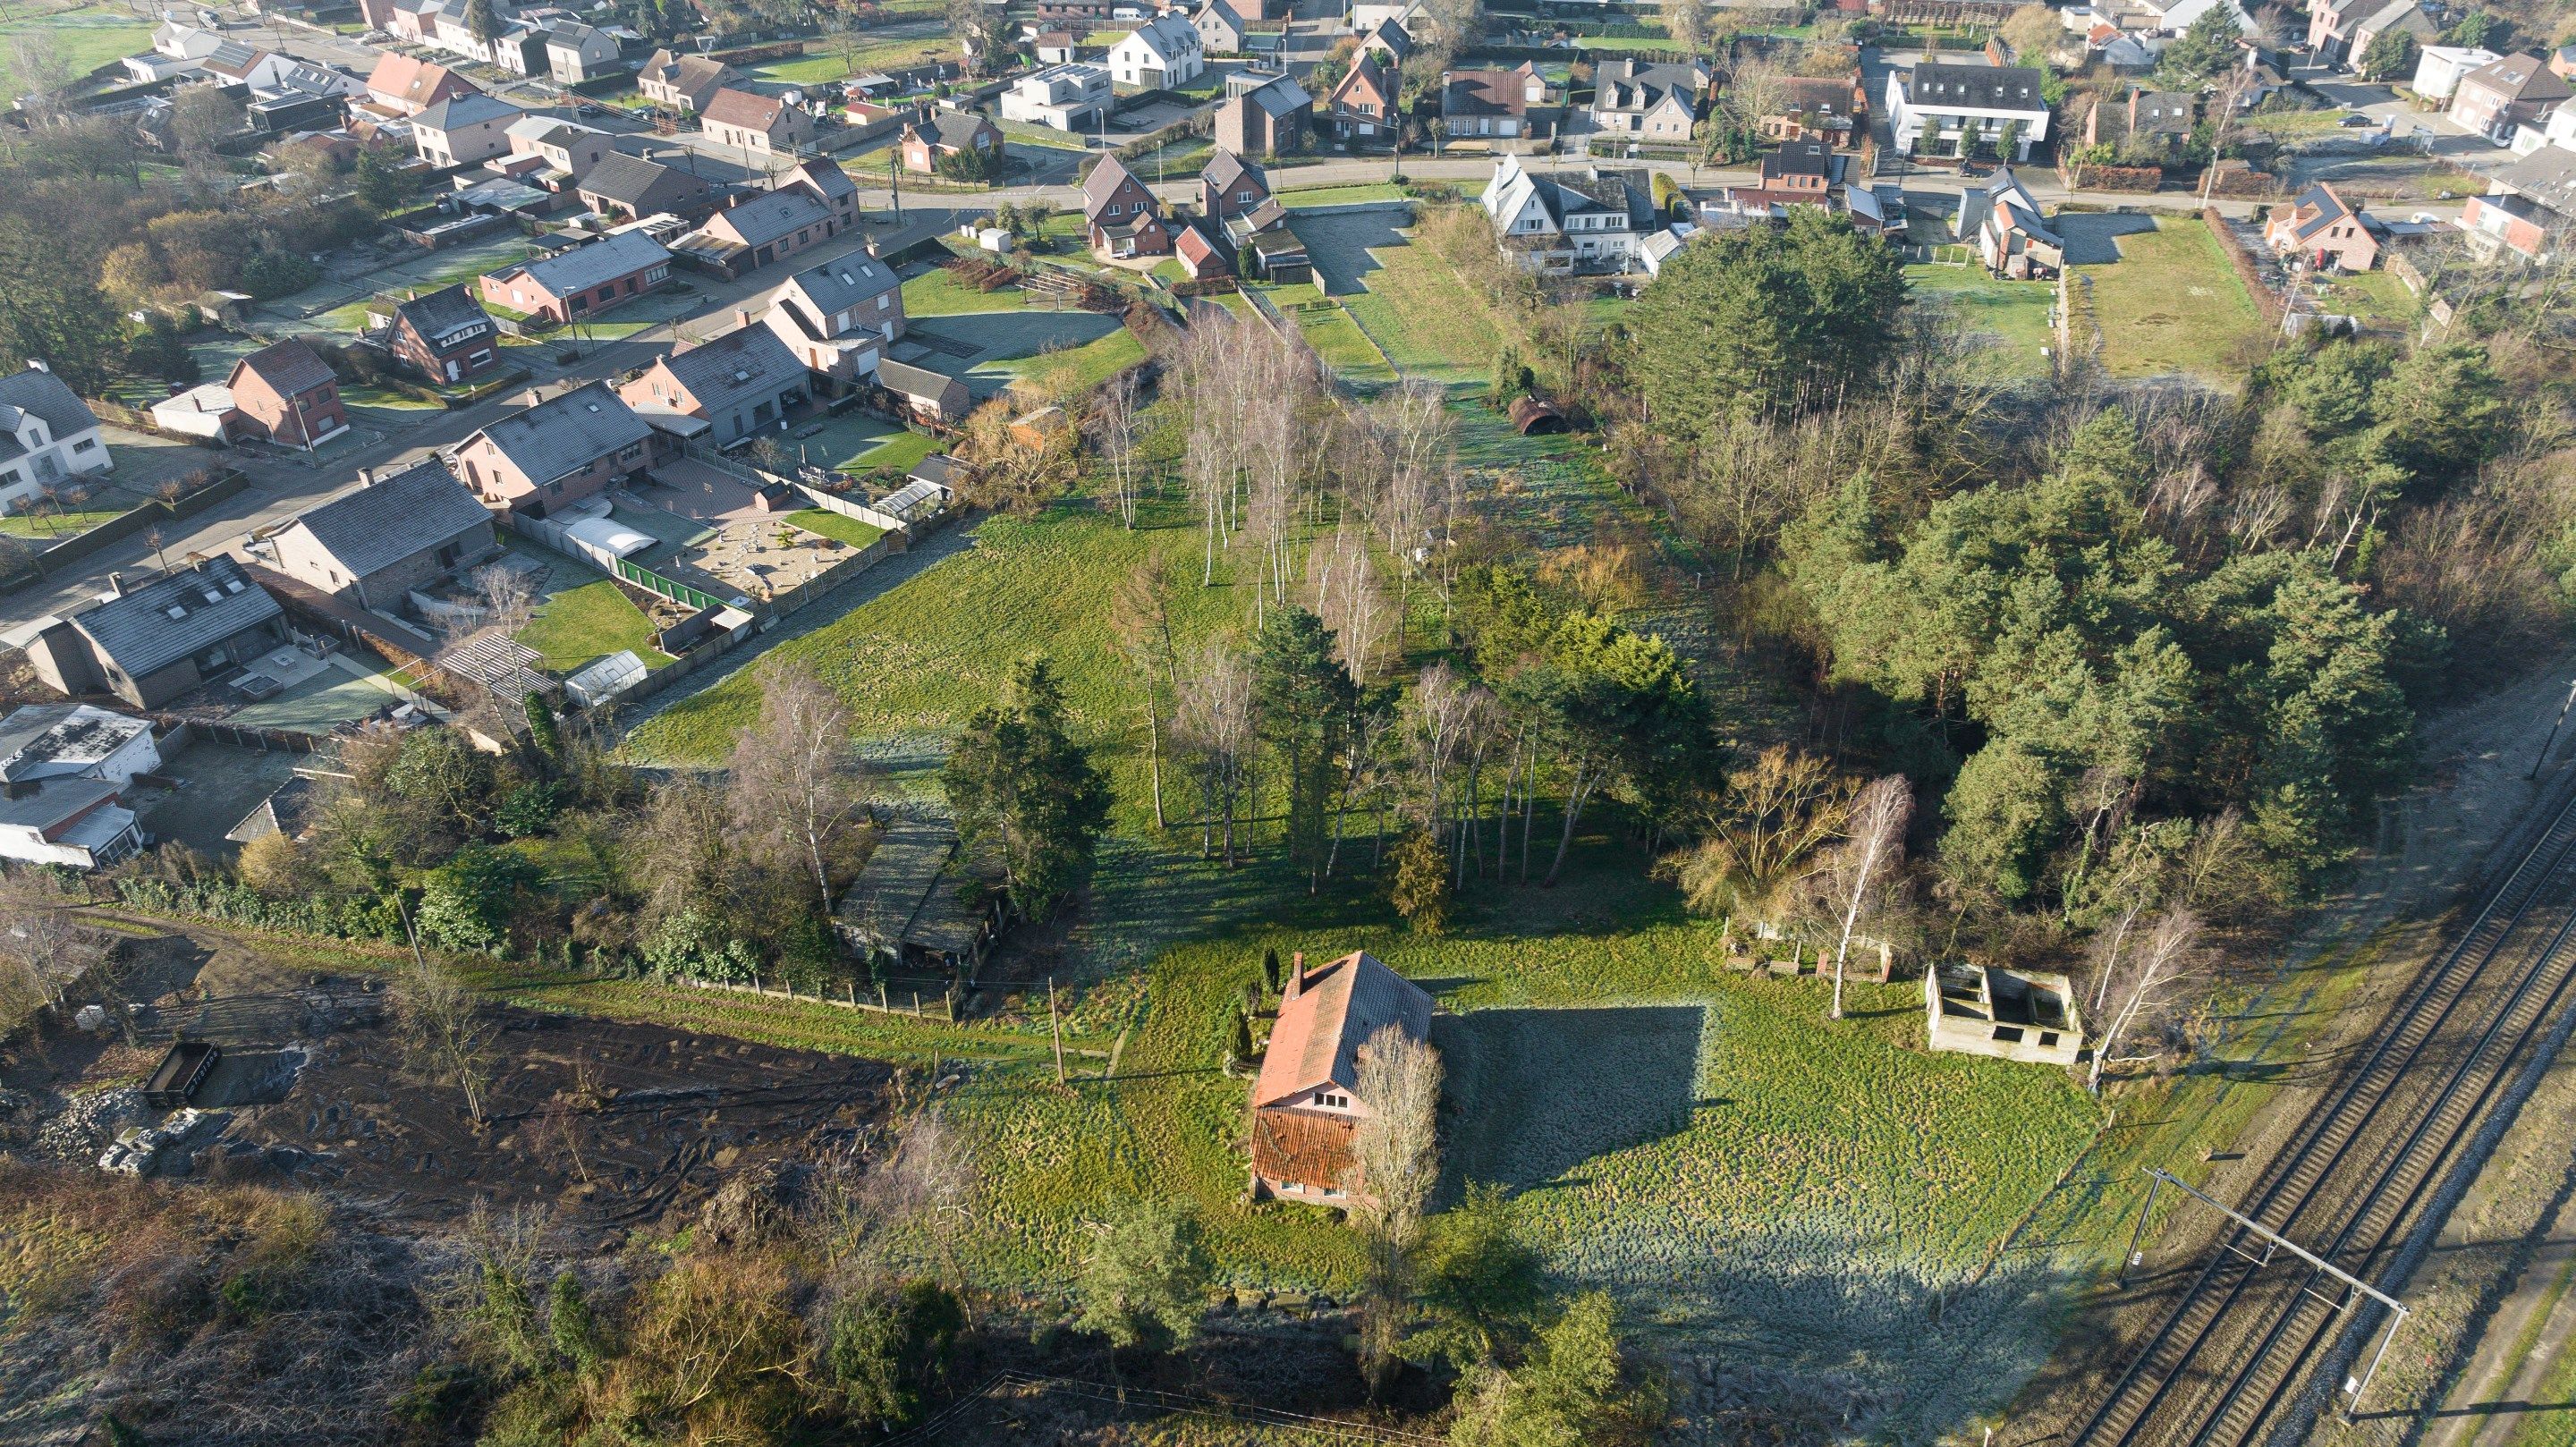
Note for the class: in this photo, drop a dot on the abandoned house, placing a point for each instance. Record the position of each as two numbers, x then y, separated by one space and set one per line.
909 905
1982 1010
1306 1104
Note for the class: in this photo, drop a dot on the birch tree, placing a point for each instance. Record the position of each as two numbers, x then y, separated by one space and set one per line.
795 779
1395 1162
1142 614
1214 717
1113 437
2143 982
1875 842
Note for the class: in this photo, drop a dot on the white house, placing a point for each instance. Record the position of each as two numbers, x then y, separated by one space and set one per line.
1160 55
47 436
1069 97
1966 110
2438 68
1594 221
66 767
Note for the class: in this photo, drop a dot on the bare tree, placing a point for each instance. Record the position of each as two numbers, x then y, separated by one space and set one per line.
1342 582
1395 1162
795 777
1777 812
1876 840
1142 614
41 952
925 1186
508 599
2143 982
1113 436
1687 22
1758 88
442 1025
1215 718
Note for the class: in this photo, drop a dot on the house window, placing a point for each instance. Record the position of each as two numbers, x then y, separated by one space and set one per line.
2008 1034
85 445
2047 1039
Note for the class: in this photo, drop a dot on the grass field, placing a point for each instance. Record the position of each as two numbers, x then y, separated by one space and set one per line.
2172 304
898 454
52 525
1062 374
1430 324
876 55
2013 313
1029 133
2374 296
87 37
1342 345
825 523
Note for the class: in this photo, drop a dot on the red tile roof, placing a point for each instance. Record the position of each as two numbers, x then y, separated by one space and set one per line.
732 107
1322 1026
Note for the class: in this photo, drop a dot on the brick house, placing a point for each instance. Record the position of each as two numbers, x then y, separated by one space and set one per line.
940 132
632 187
770 226
1646 101
1497 103
685 82
567 149
446 335
1834 109
393 534
830 184
2527 206
2324 232
1121 216
758 124
161 637
400 85
1306 1106
2515 91
1268 120
1362 106
838 317
741 383
289 393
1231 186
583 281
556 452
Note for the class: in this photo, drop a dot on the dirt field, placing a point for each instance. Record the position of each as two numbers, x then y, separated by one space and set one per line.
610 1126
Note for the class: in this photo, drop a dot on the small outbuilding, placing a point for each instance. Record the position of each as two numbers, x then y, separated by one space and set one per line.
2008 1014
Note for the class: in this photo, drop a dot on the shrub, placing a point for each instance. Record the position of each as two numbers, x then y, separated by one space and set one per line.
530 810
273 274
468 902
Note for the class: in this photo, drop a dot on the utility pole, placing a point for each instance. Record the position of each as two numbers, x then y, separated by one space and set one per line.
1056 1029
2552 740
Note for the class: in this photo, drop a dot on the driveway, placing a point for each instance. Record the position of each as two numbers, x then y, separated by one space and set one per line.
1339 243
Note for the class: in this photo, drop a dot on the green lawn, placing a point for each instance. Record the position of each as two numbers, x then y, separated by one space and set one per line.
2012 313
1343 346
2374 296
588 621
88 37
52 525
825 523
935 293
1430 324
1295 196
898 454
1065 374
1031 134
826 65
2172 304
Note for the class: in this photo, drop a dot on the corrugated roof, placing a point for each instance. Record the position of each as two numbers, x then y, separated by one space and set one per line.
394 517
568 433
213 601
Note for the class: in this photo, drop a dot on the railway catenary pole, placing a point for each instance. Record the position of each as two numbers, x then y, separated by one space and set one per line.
2547 743
2155 1180
2353 1387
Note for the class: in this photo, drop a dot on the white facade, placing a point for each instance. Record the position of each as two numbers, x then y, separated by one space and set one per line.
1928 110
1549 225
2438 68
34 456
1160 55
1068 97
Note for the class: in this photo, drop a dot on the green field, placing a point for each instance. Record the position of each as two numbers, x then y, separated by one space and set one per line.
830 64
898 454
2172 304
935 293
1430 324
86 37
823 522
51 525
2377 297
2012 313
1064 374
1343 346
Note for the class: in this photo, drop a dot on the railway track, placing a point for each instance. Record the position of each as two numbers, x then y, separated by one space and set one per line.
2233 1361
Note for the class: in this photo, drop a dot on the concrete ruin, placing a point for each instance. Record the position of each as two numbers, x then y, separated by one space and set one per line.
1983 1010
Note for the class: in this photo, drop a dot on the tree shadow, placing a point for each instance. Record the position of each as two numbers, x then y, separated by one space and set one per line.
1534 1093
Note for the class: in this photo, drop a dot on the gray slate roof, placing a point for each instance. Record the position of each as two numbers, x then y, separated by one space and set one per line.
918 381
442 313
138 635
394 517
645 185
597 264
1224 168
1976 87
844 283
770 215
463 110
741 366
568 433
49 397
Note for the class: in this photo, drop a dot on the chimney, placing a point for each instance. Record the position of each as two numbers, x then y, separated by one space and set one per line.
116 585
873 249
742 316
366 477
1296 974
37 364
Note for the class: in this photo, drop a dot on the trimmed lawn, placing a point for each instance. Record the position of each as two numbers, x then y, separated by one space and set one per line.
2014 313
935 293
2373 296
1029 133
587 622
52 525
895 54
899 454
2172 304
825 523
1429 322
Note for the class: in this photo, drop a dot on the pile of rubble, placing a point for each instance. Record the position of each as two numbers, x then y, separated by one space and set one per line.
86 1122
140 1148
